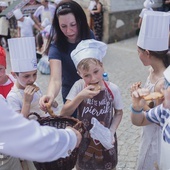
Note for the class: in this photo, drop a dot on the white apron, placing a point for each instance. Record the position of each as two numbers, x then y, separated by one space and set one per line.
165 151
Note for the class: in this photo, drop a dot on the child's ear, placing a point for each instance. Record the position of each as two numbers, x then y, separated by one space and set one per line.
14 74
147 52
79 74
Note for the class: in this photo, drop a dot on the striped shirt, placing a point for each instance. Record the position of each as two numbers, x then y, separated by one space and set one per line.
159 115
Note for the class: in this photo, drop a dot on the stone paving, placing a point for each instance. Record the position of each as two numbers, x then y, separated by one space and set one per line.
123 67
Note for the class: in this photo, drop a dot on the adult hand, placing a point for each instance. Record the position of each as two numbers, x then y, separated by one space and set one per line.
43 100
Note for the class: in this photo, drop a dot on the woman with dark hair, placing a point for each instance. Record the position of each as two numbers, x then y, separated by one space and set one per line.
69 27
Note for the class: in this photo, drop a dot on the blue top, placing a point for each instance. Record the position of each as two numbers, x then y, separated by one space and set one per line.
159 115
69 72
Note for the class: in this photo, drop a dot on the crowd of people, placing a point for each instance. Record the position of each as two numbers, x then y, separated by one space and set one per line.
74 55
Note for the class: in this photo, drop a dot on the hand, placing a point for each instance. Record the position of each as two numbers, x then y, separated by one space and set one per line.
137 98
135 86
28 93
78 134
43 100
88 92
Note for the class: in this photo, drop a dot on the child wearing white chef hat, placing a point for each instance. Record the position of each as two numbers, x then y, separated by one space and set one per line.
159 115
25 24
94 98
148 4
25 94
153 44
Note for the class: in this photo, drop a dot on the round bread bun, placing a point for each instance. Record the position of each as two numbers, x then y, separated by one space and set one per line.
96 87
153 96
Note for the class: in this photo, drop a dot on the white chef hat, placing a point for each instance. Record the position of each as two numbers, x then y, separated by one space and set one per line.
148 3
154 32
18 14
3 4
22 54
167 74
88 49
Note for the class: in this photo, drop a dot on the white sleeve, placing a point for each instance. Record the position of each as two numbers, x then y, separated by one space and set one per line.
142 13
26 139
38 11
118 104
77 87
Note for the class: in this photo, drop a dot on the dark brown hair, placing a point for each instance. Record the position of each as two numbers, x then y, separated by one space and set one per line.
163 55
63 8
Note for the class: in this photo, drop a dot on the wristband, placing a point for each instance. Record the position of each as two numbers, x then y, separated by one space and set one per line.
135 111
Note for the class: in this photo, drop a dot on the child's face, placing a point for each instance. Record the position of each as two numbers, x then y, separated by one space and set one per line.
26 78
93 75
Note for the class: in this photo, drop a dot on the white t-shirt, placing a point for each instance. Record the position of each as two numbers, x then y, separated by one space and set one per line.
39 11
26 27
143 11
80 84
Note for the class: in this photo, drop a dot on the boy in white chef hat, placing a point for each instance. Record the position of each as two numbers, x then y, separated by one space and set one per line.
153 44
24 96
25 24
94 98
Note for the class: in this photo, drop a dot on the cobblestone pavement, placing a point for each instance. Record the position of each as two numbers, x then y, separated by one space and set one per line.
123 67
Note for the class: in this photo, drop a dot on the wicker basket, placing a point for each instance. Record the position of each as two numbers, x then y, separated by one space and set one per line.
60 122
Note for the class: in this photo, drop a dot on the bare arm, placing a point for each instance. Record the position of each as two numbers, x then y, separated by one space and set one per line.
28 97
71 105
138 103
37 27
116 120
36 20
54 83
99 8
139 22
18 32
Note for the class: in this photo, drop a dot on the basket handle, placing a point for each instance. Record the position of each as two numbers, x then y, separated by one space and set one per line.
80 127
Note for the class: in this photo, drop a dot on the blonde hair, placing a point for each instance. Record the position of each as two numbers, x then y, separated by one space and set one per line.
84 64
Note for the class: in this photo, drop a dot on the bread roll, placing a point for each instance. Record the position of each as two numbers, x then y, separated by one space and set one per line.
36 87
153 96
96 87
